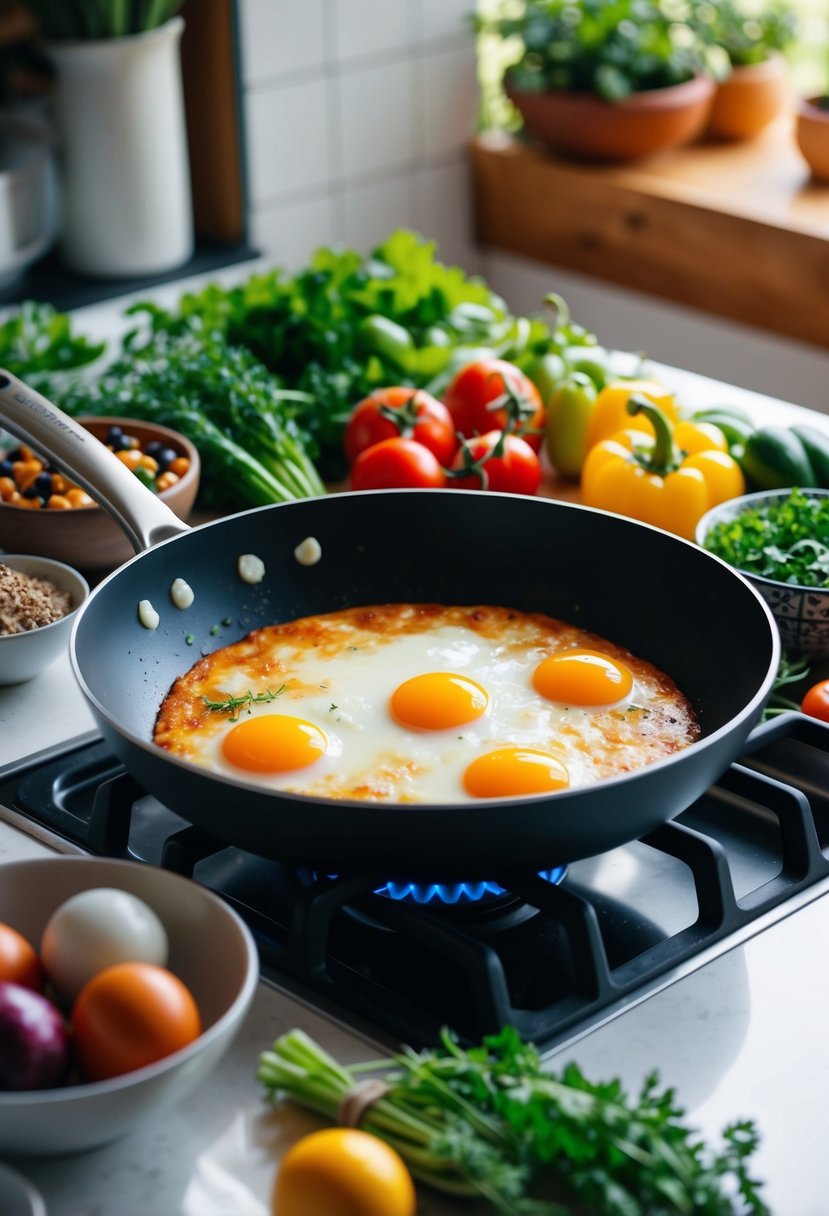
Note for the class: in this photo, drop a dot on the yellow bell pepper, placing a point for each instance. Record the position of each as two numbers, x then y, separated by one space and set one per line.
670 478
609 414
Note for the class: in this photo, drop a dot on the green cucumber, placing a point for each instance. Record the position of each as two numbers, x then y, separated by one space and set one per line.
774 458
733 412
816 446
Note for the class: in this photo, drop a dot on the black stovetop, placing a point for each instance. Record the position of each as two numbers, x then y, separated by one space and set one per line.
544 953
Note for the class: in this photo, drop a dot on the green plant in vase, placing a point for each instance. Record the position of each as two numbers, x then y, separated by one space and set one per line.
752 36
607 79
94 19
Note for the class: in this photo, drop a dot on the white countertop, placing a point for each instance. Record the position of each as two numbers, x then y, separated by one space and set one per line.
743 1037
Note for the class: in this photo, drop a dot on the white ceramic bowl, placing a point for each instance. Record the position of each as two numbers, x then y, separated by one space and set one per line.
801 613
24 655
211 951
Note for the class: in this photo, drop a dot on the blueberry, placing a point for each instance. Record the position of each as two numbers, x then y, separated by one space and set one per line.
6 468
165 458
153 448
43 485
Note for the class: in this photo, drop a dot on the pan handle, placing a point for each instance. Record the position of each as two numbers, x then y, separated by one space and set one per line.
33 419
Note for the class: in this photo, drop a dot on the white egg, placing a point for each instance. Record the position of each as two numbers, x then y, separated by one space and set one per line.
95 929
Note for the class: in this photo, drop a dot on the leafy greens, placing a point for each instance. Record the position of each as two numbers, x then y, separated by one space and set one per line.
785 539
347 324
490 1121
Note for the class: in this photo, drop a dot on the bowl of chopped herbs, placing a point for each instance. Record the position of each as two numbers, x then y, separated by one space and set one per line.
779 539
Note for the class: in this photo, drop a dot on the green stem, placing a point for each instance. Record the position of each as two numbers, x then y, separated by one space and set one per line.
661 458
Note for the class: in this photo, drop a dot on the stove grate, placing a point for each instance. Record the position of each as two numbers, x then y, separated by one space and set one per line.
548 957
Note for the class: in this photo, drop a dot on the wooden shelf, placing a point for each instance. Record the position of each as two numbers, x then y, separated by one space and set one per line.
738 230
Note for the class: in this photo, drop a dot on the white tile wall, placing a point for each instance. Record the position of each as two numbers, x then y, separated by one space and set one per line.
443 21
288 139
371 27
357 117
448 96
376 118
444 205
292 230
372 211
281 36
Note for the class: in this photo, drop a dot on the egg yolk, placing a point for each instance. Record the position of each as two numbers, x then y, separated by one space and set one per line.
515 770
438 700
274 743
582 677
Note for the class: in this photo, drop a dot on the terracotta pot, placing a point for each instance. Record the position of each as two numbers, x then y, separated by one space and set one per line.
812 133
585 126
751 98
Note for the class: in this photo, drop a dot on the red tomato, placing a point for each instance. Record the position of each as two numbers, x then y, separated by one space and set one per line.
495 394
396 462
816 701
129 1015
513 469
19 963
408 412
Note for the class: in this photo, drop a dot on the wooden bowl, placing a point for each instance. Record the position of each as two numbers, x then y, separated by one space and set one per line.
584 126
812 133
87 538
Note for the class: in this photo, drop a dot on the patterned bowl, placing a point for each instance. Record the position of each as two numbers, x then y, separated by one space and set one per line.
801 613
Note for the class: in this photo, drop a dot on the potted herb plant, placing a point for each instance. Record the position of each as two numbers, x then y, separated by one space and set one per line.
753 36
608 82
125 183
812 134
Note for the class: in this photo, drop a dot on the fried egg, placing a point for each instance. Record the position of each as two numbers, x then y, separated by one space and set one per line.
423 703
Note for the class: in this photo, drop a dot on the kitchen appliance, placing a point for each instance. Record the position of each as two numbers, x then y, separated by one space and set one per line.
665 599
555 954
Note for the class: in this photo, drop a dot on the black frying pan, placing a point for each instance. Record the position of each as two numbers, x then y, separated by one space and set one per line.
665 599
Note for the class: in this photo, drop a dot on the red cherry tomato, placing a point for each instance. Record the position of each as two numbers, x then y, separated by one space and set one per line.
394 463
497 461
816 701
390 413
492 393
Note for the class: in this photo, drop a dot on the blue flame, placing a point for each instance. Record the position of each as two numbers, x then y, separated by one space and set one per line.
454 892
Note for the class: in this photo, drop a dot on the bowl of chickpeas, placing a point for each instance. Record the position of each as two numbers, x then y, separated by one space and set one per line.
43 512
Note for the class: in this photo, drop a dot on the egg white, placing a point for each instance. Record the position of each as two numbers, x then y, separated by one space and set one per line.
343 685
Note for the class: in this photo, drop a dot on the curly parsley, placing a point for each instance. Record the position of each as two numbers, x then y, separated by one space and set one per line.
786 539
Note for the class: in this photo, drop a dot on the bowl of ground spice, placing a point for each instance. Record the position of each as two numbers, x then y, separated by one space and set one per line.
38 601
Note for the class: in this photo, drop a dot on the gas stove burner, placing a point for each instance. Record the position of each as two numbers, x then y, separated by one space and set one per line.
451 893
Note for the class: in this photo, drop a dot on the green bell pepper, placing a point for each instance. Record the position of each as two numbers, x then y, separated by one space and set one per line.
568 412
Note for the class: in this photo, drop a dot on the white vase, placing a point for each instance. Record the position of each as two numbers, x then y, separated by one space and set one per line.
125 179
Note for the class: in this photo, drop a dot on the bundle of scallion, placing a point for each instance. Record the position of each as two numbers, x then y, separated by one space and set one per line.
490 1122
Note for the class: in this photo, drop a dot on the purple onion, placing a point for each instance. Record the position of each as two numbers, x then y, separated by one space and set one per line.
34 1044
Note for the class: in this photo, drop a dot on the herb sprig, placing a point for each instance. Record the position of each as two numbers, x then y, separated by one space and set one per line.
490 1121
244 701
790 671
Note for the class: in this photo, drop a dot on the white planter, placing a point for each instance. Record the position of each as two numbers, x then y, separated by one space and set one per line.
125 179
